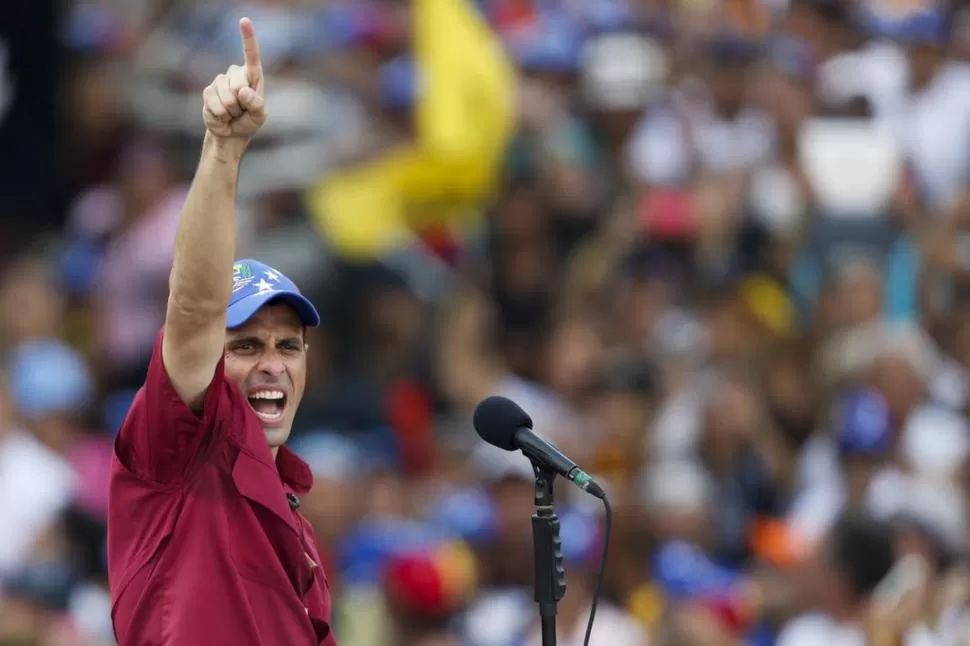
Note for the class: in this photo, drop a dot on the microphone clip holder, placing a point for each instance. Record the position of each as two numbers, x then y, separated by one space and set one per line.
550 574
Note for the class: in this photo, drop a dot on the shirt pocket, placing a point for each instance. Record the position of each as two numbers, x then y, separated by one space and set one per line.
262 534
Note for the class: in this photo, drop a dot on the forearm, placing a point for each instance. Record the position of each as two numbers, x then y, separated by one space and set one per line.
201 280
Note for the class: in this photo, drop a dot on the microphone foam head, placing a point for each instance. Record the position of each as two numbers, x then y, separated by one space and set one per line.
497 419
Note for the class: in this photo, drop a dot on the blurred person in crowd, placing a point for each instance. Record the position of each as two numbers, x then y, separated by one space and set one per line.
50 388
573 358
901 363
745 318
856 293
622 407
426 591
510 483
689 593
681 346
932 112
31 305
375 376
786 87
856 593
944 273
96 122
840 578
201 451
555 149
336 464
791 395
677 499
125 232
502 609
950 386
621 74
480 354
33 608
861 478
707 127
738 446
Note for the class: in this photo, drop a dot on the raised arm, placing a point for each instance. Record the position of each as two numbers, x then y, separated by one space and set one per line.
200 284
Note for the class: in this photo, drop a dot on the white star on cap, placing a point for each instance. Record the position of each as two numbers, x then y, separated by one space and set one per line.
272 275
264 287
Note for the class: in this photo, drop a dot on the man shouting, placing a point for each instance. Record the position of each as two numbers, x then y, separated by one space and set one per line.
205 543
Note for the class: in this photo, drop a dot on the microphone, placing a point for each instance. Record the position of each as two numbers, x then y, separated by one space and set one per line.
502 423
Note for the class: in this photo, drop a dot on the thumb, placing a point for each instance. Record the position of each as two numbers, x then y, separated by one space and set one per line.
251 100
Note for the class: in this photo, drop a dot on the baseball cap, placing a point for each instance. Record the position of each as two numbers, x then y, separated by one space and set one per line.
255 284
864 427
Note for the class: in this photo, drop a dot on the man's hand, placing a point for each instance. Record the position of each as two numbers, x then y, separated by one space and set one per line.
233 105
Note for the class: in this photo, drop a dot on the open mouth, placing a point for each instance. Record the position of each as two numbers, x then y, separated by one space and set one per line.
269 405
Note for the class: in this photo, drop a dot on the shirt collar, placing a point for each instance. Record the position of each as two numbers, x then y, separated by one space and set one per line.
294 471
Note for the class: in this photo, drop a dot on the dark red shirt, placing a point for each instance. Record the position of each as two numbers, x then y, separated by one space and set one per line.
203 546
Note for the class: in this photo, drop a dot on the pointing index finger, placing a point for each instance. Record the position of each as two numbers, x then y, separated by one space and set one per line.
250 50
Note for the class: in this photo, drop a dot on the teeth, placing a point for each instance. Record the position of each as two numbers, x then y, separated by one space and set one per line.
267 394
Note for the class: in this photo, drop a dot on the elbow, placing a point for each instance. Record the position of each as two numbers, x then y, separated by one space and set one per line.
186 311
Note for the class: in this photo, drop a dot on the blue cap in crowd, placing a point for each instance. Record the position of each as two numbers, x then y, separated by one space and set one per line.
683 571
604 16
580 532
468 514
363 554
255 284
923 27
552 44
864 424
48 377
399 87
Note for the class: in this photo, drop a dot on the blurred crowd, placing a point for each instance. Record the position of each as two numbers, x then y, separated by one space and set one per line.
723 264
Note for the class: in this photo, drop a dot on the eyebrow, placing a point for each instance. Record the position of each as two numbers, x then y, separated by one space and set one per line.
256 340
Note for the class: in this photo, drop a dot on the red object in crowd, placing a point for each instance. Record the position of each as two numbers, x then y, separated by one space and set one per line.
669 215
730 612
414 584
409 408
440 241
514 14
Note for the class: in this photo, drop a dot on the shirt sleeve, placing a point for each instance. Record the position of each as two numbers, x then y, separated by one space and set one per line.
161 438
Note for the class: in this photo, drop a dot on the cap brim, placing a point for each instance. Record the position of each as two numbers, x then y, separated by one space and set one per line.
242 310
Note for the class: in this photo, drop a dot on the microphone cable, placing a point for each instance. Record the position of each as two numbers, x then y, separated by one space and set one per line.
598 588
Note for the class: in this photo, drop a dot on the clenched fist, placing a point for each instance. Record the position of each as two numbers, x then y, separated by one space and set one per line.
233 105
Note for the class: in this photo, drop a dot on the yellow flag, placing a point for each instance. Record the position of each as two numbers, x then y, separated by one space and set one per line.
464 119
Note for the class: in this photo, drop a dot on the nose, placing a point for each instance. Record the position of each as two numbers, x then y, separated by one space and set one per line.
271 363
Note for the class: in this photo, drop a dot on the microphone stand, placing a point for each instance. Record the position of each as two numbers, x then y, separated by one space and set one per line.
550 581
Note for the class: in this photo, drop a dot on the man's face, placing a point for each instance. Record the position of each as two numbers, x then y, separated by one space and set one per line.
266 358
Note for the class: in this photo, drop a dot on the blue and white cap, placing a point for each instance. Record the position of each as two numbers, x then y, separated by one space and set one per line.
255 284
865 427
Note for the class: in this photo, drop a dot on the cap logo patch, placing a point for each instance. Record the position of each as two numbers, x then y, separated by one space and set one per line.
242 275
